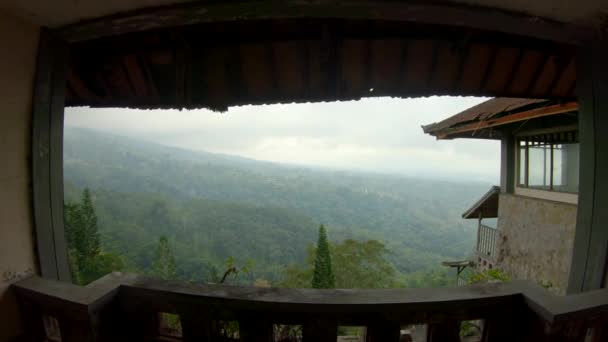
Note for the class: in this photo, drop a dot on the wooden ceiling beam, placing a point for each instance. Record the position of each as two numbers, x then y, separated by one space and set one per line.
369 68
488 71
272 67
405 54
539 70
434 57
435 13
464 57
331 46
152 87
135 76
513 74
79 87
234 72
561 68
305 57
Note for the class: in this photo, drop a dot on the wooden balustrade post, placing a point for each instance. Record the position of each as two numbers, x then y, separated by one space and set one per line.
503 329
33 324
255 330
320 331
76 329
139 325
448 331
196 328
383 332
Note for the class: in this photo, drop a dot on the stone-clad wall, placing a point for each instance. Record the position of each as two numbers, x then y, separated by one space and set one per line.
536 239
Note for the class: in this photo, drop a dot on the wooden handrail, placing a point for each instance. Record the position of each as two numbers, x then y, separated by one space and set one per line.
128 305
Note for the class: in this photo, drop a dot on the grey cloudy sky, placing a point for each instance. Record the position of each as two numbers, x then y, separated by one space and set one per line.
379 134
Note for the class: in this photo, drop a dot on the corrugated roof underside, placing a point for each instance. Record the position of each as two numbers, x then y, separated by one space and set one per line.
219 65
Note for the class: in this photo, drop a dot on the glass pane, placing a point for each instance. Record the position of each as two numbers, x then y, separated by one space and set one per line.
565 167
522 166
539 164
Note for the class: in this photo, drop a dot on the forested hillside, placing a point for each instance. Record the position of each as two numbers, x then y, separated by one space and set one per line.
214 206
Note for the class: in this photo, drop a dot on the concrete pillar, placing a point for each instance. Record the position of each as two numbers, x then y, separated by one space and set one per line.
588 269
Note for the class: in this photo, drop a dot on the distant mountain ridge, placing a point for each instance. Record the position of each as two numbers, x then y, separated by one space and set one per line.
419 220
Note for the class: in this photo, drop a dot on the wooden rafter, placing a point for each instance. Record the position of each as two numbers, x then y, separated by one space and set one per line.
489 67
464 56
539 70
272 67
437 46
562 66
405 52
368 67
136 76
305 67
513 74
80 88
234 71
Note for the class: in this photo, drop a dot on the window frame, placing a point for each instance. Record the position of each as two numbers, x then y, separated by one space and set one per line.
527 137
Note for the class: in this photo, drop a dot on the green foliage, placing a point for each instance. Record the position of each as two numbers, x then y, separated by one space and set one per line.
213 206
356 264
323 276
469 329
489 276
87 261
437 277
163 266
363 264
231 270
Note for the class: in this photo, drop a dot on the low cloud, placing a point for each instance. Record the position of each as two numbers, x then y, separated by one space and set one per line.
381 134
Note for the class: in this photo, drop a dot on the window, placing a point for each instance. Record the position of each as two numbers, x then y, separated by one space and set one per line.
549 162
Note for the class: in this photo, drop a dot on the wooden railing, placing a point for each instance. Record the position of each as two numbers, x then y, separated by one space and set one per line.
487 241
122 307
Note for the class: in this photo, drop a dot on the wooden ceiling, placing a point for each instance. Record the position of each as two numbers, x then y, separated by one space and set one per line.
221 64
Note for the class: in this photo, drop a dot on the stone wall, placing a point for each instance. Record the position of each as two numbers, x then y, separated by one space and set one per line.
536 239
17 258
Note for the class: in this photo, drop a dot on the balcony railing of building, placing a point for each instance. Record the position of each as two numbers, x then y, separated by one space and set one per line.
487 240
124 307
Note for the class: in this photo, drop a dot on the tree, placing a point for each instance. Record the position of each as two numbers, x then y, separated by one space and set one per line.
87 261
363 264
323 276
163 265
357 264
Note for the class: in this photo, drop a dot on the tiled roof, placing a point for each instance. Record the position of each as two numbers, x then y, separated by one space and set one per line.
481 112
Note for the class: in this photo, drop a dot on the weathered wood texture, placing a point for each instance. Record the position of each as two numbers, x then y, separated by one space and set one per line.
303 58
422 12
126 307
47 156
590 255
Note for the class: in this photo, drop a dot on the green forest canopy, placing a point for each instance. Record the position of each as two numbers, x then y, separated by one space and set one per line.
210 207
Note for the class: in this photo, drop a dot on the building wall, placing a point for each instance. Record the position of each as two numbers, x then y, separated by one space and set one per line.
536 239
17 257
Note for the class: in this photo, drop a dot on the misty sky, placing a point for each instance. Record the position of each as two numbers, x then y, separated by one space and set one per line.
381 134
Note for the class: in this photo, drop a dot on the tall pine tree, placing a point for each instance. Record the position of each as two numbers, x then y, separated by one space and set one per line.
163 265
323 276
91 246
82 235
87 261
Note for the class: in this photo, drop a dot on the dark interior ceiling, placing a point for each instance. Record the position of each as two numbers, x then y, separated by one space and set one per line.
222 64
